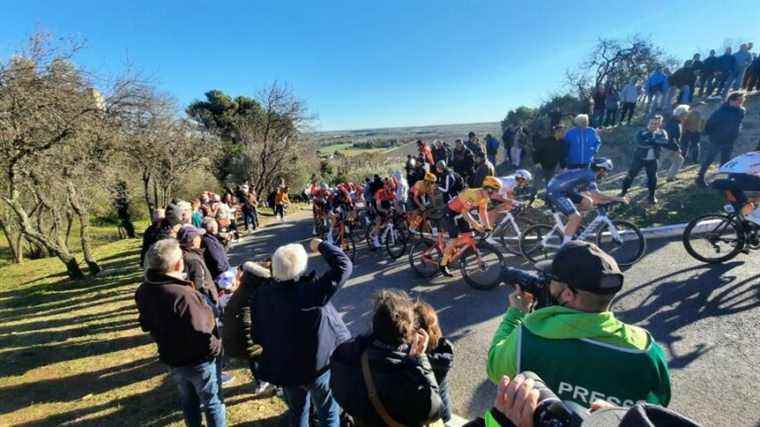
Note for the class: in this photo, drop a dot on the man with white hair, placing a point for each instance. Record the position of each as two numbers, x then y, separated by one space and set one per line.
582 143
298 328
183 326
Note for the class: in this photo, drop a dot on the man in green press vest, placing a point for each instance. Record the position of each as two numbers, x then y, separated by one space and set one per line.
576 344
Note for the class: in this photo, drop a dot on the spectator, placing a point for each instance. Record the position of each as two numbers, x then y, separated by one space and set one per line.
462 160
439 152
726 70
150 235
667 100
440 353
692 133
710 68
612 103
722 129
649 142
582 144
508 139
214 253
630 95
190 239
600 106
237 335
560 342
178 213
249 203
409 167
447 149
417 174
473 143
492 148
392 360
697 65
299 328
519 146
450 183
742 61
183 326
674 129
656 89
197 213
425 153
684 80
281 202
550 152
752 77
483 169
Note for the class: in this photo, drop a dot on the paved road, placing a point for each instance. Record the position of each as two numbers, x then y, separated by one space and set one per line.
706 318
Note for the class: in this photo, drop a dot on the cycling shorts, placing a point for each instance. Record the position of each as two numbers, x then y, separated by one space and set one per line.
456 223
565 202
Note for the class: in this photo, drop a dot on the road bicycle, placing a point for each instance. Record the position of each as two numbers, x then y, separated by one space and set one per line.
620 239
393 234
340 234
716 238
479 261
509 228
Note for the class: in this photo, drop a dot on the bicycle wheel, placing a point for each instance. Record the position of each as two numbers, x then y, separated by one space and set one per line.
540 242
713 238
425 257
481 268
627 244
348 245
395 243
509 238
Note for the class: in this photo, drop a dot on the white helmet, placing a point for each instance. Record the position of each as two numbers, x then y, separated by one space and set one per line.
747 163
524 174
601 163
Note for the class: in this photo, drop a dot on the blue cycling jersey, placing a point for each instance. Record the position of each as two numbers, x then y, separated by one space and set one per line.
572 181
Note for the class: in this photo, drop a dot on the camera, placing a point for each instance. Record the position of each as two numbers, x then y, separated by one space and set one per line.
551 411
535 283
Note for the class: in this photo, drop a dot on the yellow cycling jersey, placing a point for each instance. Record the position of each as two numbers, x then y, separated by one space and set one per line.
468 199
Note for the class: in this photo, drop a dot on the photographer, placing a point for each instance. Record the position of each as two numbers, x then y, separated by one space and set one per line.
575 343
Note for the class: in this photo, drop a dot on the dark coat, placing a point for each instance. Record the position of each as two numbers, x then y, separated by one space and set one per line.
238 323
462 162
647 140
179 320
549 152
405 385
297 325
674 129
723 125
484 169
150 236
710 65
215 255
198 273
441 359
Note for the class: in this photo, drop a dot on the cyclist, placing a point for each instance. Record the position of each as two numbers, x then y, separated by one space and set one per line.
422 193
743 175
319 197
402 188
461 220
505 198
578 186
384 199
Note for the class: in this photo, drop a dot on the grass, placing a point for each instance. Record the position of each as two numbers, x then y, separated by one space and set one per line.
72 352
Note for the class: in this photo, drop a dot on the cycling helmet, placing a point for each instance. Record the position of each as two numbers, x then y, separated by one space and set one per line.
430 177
492 183
440 164
601 163
523 174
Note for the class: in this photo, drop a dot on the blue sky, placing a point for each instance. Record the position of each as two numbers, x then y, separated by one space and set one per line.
365 64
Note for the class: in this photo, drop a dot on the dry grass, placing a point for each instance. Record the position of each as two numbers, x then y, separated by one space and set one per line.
72 353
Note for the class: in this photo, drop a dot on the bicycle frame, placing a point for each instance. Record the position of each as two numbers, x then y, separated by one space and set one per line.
467 241
601 219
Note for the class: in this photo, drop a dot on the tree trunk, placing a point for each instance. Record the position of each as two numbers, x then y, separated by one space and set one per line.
84 230
13 244
69 223
146 190
155 194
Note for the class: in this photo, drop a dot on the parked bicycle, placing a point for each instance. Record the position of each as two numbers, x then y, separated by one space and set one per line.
621 239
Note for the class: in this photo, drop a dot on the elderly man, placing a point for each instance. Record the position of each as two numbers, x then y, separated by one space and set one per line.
185 331
195 266
299 328
215 255
150 235
583 142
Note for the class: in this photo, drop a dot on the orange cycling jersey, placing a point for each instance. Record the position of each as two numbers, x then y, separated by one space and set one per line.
421 188
468 199
383 195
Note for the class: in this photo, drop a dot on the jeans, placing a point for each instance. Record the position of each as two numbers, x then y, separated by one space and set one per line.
651 169
250 218
676 161
279 210
628 108
200 384
655 99
610 117
690 145
443 390
318 392
710 152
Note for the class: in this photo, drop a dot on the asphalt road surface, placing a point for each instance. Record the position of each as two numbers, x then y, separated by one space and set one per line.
707 318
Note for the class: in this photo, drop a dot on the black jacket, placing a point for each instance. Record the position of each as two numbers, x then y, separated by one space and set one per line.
726 64
646 140
549 152
724 124
150 236
215 255
179 320
406 386
441 359
674 129
237 334
198 273
462 162
481 172
297 325
710 65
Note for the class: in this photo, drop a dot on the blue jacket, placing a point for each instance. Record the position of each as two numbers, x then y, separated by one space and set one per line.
724 124
492 146
582 145
296 324
215 255
658 78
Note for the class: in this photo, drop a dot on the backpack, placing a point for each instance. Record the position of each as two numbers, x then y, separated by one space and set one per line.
457 184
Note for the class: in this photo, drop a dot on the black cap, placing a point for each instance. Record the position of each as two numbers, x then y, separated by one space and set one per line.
582 265
187 233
